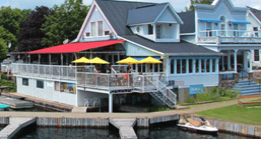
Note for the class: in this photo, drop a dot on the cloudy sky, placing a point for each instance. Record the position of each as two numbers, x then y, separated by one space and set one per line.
177 4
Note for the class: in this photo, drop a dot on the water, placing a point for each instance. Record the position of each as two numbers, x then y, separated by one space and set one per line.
163 131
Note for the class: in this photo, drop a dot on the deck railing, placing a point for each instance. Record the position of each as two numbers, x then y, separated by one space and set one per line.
229 36
139 83
45 71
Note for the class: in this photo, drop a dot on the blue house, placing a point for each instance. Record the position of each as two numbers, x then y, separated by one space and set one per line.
190 52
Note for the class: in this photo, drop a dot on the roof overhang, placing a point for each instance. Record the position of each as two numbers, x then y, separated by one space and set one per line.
75 47
240 22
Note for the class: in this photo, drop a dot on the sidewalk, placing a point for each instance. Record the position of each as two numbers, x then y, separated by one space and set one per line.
204 107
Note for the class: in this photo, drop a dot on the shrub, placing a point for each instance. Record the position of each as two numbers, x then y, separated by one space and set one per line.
158 108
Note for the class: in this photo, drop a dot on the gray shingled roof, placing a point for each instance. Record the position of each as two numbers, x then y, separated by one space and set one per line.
117 14
179 49
256 12
146 14
189 22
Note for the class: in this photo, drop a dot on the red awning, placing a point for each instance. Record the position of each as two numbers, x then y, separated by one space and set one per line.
75 47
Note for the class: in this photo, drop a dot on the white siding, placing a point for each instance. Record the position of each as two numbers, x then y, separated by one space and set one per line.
134 50
47 93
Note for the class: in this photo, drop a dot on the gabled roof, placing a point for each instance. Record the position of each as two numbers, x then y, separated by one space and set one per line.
255 12
117 13
178 49
147 14
189 22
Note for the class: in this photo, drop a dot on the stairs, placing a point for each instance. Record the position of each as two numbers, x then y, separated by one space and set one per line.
163 94
247 87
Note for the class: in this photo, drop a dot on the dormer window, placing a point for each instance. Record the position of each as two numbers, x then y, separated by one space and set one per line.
150 29
87 34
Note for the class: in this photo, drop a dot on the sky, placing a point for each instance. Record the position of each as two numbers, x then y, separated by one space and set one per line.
179 5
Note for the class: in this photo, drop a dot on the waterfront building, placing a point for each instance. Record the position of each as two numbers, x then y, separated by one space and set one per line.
191 51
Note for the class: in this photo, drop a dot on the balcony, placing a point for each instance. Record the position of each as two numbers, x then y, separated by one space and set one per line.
229 37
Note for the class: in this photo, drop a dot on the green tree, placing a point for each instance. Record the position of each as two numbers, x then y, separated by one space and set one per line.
5 38
64 23
11 19
30 37
191 7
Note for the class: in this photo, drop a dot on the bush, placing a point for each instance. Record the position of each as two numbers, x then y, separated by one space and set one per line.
215 94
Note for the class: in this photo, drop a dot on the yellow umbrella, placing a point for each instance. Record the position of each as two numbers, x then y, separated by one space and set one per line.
97 60
129 61
81 60
150 60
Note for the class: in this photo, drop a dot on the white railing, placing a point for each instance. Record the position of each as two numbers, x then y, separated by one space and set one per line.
113 81
45 71
162 88
229 36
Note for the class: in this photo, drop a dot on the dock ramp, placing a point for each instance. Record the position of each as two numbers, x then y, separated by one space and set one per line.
14 126
125 127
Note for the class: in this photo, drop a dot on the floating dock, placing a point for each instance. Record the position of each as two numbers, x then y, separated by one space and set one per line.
125 127
15 125
15 103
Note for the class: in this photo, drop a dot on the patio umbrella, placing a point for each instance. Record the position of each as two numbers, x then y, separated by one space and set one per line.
129 61
150 60
98 60
81 60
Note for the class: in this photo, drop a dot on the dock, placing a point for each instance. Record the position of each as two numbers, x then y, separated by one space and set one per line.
16 103
14 126
125 126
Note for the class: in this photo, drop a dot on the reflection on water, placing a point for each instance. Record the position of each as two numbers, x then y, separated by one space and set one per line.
67 133
160 131
174 132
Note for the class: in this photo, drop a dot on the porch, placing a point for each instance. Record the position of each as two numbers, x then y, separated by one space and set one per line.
229 36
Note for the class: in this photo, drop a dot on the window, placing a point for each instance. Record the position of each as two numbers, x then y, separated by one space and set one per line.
223 26
256 56
190 67
184 65
87 34
40 84
172 71
158 31
100 28
236 28
197 66
214 65
93 29
150 29
208 29
179 66
107 32
57 86
25 82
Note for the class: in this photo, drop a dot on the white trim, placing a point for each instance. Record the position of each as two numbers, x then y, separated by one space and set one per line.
139 24
141 45
46 79
172 10
249 11
94 5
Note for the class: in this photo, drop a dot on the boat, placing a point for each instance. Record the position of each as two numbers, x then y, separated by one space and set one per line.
4 107
195 125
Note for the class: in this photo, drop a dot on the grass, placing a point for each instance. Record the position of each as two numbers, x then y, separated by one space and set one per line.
5 82
235 113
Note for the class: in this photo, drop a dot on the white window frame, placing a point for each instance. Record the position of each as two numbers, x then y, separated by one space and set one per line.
93 31
102 31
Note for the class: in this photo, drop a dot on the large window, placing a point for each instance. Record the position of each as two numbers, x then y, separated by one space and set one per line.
25 82
40 84
100 28
197 65
256 56
93 29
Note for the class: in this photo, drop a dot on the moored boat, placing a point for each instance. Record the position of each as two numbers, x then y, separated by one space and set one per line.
191 124
4 107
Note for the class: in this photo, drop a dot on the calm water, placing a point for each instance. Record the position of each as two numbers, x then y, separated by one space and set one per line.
170 131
